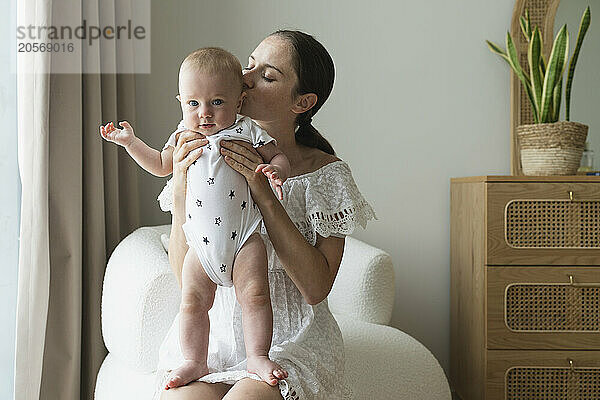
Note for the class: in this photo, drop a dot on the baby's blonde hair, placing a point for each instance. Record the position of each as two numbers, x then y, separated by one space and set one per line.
214 60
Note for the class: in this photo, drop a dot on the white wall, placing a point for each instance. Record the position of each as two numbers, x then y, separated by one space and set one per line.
418 99
10 199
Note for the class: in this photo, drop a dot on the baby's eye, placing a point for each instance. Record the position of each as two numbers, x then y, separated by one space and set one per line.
217 102
193 103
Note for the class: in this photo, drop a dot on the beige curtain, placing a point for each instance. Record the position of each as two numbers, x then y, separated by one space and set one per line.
79 199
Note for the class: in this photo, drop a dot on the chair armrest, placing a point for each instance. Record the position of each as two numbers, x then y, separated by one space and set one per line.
385 363
364 287
140 298
117 381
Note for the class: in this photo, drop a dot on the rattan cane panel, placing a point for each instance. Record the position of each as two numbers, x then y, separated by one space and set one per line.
553 224
543 383
537 15
537 11
552 308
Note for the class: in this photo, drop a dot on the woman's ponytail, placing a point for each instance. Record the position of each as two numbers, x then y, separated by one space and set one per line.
308 135
315 70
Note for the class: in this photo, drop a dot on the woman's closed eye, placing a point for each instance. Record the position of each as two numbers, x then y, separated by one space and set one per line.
263 76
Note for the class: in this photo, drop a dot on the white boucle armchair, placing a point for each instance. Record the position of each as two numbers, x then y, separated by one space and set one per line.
141 298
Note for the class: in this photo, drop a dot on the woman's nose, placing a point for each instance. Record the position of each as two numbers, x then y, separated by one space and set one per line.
248 80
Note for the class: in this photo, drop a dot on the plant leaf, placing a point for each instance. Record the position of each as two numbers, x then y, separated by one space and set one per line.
583 27
556 66
524 29
498 50
542 58
556 98
513 59
534 55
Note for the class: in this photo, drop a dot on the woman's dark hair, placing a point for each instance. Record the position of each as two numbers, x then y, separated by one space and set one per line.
315 71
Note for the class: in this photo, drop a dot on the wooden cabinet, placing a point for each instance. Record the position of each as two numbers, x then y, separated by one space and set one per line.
525 287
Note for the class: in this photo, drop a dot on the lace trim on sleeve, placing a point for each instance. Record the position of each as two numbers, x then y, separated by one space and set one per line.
165 198
334 204
338 224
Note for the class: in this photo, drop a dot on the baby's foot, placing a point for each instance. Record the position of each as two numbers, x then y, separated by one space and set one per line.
268 370
190 371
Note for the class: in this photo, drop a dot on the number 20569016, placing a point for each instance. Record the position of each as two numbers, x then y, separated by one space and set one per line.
35 47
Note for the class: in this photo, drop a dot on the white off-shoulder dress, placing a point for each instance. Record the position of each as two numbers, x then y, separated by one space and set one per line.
307 341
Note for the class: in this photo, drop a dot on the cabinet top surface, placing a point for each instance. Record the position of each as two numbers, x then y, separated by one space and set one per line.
509 178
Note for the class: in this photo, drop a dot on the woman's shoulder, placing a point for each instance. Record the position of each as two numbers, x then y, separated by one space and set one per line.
315 161
318 197
324 161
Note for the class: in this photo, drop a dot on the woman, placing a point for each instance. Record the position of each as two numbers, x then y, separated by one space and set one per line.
288 78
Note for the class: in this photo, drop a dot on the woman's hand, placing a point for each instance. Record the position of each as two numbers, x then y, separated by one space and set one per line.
187 150
243 158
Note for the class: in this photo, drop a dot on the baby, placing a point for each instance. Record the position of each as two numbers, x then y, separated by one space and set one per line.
222 221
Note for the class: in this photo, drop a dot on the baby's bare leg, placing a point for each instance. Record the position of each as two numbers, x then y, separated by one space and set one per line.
197 296
251 282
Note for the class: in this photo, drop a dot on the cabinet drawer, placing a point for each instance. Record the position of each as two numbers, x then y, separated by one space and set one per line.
543 307
543 374
543 223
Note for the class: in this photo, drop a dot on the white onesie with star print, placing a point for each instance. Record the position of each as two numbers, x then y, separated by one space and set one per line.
220 212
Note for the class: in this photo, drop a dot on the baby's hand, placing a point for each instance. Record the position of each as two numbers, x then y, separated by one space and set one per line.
123 137
275 175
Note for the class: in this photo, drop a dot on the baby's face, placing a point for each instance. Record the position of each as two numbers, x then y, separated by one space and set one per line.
209 102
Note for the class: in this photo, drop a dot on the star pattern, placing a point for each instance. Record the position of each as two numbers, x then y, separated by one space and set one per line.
243 205
223 267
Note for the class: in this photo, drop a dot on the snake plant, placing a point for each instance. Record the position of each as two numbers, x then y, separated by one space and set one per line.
543 82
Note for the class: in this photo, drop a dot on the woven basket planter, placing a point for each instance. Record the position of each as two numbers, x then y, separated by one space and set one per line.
551 149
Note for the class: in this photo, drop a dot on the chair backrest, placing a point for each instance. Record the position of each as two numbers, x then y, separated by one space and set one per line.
364 287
